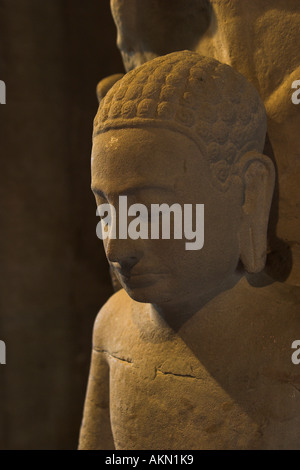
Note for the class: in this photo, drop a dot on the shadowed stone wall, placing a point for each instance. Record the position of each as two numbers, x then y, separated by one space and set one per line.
53 272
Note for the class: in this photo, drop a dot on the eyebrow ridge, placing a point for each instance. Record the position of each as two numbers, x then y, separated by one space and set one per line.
128 191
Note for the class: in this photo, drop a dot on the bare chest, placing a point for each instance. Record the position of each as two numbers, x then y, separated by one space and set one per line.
162 401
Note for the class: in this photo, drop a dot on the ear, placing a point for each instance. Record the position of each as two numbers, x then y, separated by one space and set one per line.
258 175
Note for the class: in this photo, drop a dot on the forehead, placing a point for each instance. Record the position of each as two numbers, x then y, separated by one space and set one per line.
142 157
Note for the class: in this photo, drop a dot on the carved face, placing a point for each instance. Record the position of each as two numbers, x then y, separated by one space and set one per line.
130 42
150 28
156 166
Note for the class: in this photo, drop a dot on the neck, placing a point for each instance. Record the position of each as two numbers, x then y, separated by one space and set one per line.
294 275
284 265
177 312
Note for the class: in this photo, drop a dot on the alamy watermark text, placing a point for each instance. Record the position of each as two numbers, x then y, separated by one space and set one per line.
2 92
154 223
2 352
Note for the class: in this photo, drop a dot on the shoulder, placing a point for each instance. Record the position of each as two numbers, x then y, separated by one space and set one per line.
276 306
111 320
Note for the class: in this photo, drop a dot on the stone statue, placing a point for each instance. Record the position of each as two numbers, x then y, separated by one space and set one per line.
195 351
259 39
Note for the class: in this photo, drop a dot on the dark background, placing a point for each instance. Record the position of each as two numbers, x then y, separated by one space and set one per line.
53 272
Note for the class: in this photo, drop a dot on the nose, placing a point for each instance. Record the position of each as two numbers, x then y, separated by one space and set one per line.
123 255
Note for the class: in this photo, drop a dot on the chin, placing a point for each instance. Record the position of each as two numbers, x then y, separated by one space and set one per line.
149 295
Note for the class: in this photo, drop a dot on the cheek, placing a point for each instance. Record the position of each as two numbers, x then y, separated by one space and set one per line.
219 256
220 253
222 221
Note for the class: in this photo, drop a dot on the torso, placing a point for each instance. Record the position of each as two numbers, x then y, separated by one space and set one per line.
235 388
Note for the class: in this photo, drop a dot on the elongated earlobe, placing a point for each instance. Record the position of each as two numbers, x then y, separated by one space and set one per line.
258 175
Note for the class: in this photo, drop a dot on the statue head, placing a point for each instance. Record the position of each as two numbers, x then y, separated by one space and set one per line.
185 129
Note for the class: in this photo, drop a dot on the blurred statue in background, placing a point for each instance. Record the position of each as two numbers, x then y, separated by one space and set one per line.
194 352
260 39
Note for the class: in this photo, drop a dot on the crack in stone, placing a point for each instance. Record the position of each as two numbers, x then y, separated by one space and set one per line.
114 356
188 376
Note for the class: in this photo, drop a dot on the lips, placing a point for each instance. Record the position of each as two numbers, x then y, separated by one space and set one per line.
134 274
137 278
145 273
